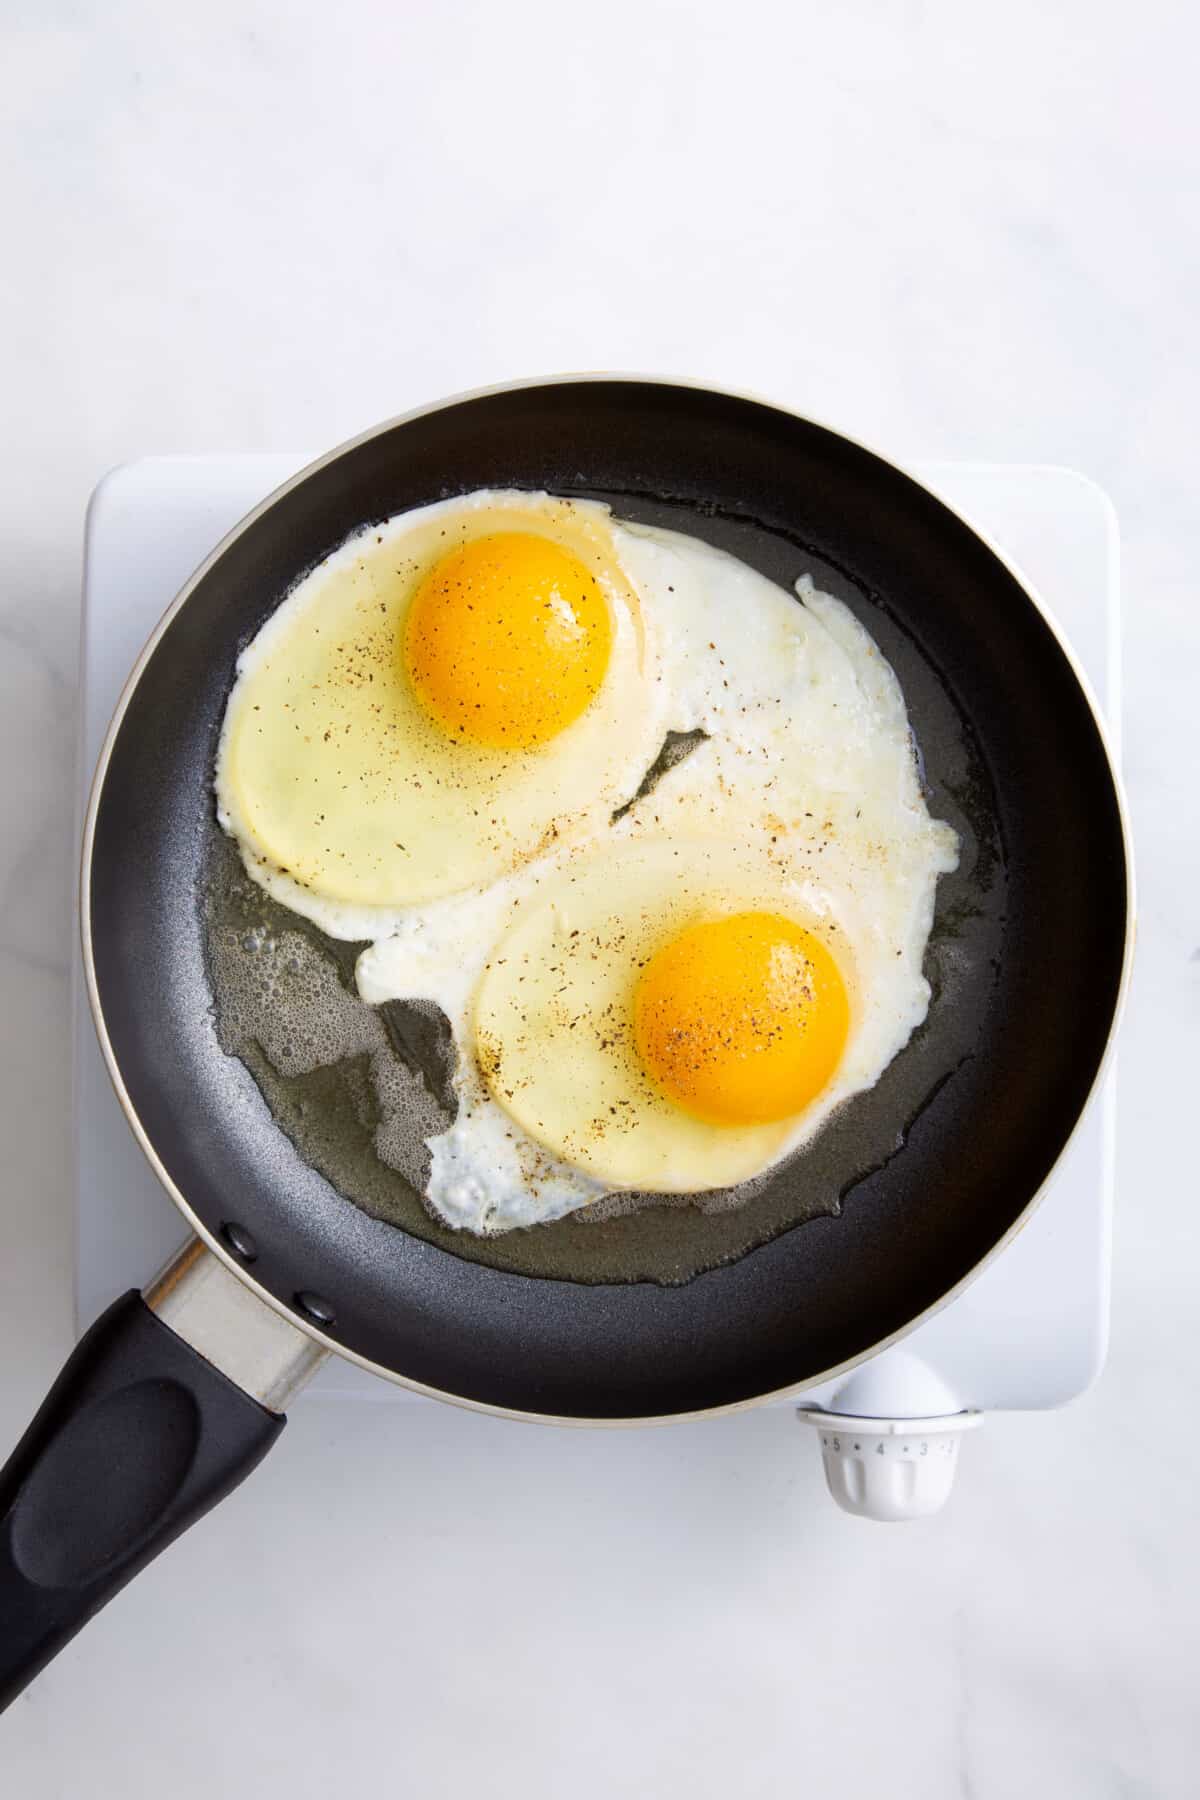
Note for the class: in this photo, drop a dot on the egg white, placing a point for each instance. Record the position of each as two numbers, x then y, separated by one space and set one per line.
807 767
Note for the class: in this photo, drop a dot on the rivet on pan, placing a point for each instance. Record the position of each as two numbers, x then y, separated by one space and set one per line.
316 1309
240 1242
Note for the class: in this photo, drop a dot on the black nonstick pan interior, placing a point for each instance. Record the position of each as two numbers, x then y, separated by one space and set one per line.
665 1310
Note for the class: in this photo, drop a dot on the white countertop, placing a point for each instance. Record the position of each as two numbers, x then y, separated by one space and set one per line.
957 232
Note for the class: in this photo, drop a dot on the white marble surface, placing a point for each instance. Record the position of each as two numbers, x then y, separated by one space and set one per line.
958 231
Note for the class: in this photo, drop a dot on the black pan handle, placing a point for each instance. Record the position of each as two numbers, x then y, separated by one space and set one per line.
137 1439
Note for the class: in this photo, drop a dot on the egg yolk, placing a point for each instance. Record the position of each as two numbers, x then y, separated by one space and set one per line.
507 640
742 1020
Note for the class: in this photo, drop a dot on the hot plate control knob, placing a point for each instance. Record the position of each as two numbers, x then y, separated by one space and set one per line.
889 1468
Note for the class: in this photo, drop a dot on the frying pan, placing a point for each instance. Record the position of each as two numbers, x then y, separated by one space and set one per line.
664 1311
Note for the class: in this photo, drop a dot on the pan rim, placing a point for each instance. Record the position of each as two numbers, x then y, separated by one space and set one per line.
212 1239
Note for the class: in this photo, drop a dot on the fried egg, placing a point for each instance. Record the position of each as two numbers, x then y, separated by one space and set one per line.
675 1015
444 697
